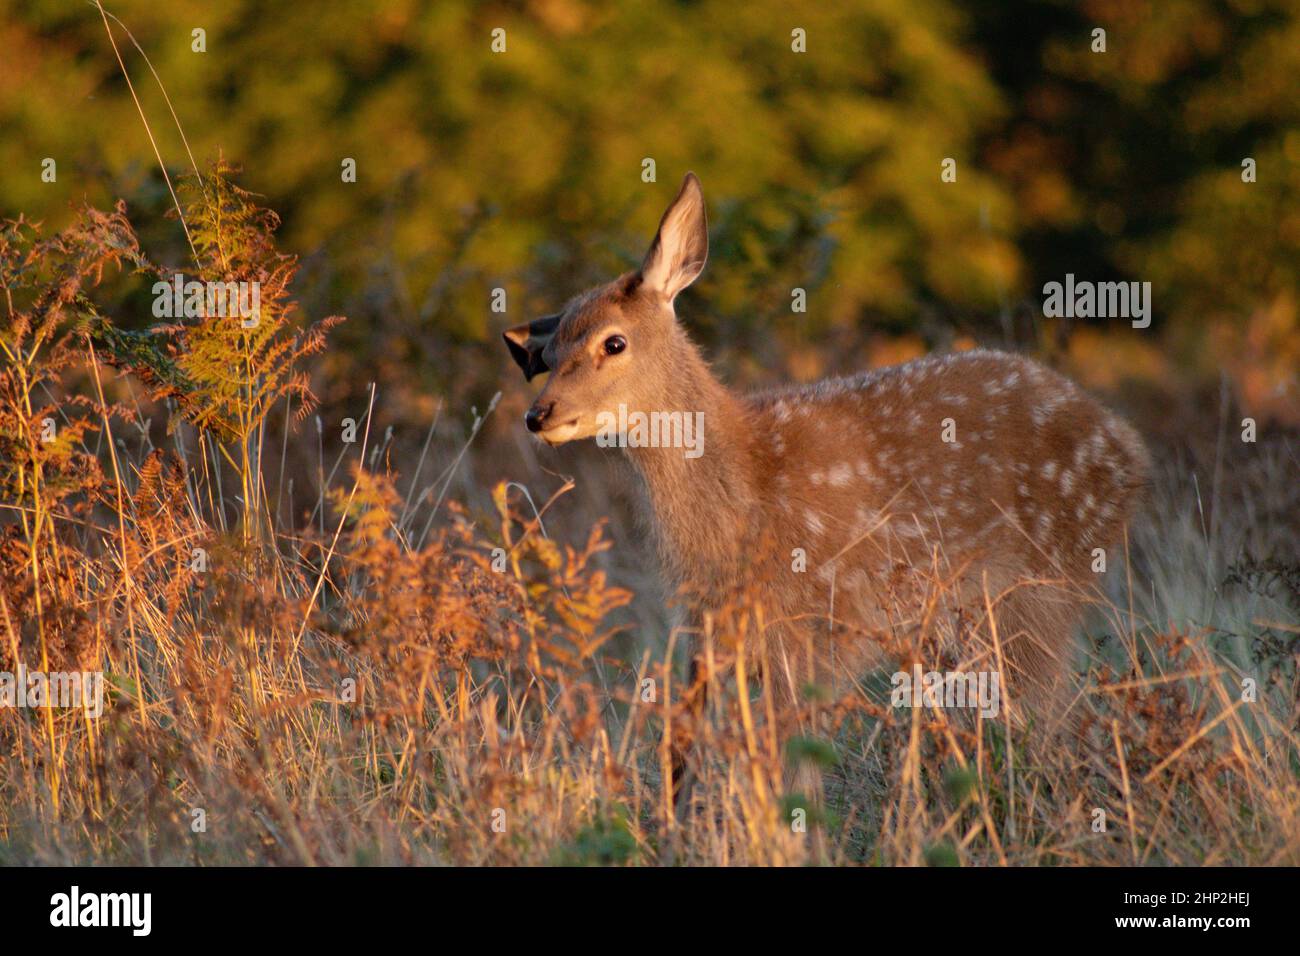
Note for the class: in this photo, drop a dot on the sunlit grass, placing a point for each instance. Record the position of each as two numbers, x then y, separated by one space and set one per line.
372 675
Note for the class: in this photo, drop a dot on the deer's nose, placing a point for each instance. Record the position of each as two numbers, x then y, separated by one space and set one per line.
536 416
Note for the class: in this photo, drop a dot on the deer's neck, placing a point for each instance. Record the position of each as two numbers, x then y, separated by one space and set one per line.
703 505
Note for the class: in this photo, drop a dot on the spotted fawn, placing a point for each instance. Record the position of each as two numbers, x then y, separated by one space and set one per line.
981 469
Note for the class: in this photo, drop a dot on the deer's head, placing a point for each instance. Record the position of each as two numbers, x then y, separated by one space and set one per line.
616 344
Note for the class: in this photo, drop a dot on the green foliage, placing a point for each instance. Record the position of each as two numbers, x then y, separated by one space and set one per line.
144 353
1129 162
605 841
522 169
815 814
812 750
941 854
960 783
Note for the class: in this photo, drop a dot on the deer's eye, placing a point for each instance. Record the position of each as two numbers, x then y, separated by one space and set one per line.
615 344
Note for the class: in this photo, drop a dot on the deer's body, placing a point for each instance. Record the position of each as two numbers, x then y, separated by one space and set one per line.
855 474
982 469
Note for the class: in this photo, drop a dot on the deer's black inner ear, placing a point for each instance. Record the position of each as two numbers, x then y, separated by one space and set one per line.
631 284
526 343
523 358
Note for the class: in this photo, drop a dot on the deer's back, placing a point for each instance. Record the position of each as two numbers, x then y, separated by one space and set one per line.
978 458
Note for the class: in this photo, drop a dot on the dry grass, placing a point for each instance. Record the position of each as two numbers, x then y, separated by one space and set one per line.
499 716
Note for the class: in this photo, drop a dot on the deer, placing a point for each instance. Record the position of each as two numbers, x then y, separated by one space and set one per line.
986 468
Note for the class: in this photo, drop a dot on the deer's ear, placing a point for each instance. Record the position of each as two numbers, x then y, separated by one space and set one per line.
527 341
681 246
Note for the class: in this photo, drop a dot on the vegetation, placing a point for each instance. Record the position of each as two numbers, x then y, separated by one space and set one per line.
522 170
364 694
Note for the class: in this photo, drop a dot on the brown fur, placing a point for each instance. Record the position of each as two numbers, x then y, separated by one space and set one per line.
856 473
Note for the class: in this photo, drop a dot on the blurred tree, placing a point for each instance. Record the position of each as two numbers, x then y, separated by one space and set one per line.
1129 163
521 169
